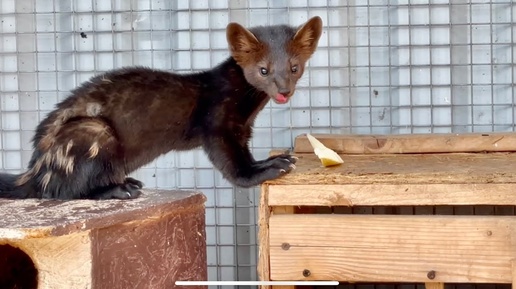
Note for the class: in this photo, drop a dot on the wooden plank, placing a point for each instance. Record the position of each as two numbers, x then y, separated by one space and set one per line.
456 168
392 195
411 143
513 265
263 237
277 211
389 248
282 209
434 285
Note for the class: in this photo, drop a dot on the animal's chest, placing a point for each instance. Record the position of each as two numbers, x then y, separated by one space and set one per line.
233 113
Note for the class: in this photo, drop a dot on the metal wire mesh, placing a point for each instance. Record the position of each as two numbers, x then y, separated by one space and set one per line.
405 66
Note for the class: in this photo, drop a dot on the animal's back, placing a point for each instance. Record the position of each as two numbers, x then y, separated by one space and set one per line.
146 109
107 128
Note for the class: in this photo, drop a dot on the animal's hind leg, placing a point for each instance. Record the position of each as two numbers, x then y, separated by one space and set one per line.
108 175
134 183
130 189
85 161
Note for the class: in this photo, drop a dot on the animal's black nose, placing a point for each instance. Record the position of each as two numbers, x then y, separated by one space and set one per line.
284 91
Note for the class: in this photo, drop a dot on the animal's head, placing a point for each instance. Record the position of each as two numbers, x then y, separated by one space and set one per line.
273 57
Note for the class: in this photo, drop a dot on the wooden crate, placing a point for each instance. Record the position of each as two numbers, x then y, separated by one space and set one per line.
146 243
355 222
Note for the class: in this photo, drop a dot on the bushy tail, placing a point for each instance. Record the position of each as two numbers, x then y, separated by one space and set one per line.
8 188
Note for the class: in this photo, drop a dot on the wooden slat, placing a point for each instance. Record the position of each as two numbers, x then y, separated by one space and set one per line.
263 237
453 168
411 143
434 285
513 263
282 210
277 211
392 195
381 248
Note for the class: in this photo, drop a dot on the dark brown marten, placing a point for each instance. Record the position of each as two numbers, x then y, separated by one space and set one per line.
123 119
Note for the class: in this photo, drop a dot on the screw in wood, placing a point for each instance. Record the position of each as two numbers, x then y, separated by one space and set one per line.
306 273
431 274
285 246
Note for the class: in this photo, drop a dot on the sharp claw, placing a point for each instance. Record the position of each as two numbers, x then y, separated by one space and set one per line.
293 166
287 160
282 171
128 194
294 157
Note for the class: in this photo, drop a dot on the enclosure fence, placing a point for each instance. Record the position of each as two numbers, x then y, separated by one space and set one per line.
381 67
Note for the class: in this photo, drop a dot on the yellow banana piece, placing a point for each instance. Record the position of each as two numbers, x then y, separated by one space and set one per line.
327 156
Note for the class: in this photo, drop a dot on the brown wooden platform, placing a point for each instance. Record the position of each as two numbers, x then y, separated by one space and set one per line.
307 221
148 242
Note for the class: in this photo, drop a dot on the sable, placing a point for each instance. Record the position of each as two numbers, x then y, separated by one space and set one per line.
121 120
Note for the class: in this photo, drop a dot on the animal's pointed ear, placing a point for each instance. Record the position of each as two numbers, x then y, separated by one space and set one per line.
307 36
242 43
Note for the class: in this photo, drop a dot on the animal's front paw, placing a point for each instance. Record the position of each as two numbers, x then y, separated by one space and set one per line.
279 165
283 162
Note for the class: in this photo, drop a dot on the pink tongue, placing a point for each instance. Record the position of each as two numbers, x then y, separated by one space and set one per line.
281 98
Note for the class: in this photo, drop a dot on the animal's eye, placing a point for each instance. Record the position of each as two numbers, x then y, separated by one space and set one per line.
294 69
264 71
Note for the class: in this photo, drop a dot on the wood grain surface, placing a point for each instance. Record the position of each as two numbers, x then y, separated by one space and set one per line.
34 218
392 248
451 168
412 143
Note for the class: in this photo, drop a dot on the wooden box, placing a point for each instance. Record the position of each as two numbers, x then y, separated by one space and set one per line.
430 209
146 243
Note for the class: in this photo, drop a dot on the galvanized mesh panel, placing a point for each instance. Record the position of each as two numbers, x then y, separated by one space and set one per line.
382 67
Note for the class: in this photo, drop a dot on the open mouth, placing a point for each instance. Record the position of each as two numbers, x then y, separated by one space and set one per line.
280 98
